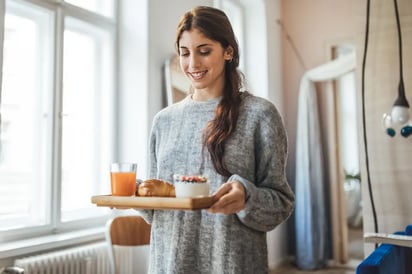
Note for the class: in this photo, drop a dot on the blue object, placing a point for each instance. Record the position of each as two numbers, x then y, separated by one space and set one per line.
391 132
388 259
406 131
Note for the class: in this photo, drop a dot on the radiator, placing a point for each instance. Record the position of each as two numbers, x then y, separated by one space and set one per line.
87 259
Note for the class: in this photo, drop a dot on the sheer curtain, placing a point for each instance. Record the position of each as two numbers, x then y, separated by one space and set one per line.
311 214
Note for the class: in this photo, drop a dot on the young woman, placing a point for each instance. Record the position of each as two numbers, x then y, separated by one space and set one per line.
236 140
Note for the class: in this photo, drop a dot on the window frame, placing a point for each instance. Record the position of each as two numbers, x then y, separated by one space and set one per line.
235 10
79 230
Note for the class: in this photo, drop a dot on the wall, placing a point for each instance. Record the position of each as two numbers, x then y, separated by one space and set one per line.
131 135
148 34
313 26
309 30
263 72
389 158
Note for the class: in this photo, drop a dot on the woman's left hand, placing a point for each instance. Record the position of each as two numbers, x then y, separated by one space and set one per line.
230 198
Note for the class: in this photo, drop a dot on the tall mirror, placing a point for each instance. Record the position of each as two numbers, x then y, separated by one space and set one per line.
177 84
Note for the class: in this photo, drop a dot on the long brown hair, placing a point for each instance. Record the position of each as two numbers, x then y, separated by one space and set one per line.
215 25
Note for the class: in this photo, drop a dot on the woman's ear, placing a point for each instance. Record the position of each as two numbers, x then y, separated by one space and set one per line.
229 53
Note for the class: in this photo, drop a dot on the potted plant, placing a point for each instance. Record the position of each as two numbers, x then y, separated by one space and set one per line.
353 199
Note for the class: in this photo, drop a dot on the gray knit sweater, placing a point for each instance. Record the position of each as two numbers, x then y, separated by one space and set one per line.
199 242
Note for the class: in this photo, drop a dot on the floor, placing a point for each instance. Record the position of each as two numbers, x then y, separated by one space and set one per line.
355 250
294 270
355 245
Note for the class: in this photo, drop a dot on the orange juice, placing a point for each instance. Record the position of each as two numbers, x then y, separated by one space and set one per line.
123 183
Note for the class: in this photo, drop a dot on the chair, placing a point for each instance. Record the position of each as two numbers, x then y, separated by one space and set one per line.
127 231
394 255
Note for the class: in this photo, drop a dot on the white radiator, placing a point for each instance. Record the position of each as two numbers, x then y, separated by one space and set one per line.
87 259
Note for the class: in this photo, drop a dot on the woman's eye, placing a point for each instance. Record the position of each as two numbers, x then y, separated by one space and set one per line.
184 54
206 52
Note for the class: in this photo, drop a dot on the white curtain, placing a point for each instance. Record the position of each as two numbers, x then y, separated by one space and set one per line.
310 215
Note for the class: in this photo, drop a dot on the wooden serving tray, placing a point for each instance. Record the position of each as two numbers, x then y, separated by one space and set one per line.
125 202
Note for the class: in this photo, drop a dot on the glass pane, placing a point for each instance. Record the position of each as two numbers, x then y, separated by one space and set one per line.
234 11
87 118
104 7
25 107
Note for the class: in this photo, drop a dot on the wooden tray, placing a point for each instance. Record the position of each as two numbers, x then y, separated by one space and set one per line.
125 202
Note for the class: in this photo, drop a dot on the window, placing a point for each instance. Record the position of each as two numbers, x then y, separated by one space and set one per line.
234 11
57 106
103 7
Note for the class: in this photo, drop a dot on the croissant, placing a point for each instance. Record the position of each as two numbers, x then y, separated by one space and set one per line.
156 187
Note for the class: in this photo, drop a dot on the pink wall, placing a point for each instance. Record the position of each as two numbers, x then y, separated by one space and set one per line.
313 26
389 158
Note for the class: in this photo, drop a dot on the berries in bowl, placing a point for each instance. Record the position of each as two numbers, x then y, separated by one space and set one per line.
191 186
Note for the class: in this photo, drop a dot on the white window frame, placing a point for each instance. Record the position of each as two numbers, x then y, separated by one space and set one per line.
234 9
48 86
28 240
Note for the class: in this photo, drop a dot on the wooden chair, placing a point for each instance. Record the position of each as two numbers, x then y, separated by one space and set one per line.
126 231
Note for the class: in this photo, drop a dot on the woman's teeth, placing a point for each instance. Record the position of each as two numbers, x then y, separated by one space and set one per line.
197 75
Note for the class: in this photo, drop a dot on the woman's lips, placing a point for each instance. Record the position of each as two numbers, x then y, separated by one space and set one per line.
197 75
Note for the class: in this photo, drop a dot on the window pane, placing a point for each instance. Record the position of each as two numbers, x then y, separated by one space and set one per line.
25 108
104 7
87 118
235 13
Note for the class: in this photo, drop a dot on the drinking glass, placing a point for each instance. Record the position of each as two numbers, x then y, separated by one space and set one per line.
123 179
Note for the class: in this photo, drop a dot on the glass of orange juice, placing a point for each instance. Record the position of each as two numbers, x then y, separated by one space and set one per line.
123 179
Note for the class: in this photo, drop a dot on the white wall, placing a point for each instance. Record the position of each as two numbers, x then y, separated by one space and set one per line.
389 158
133 84
147 34
274 53
163 19
256 50
264 73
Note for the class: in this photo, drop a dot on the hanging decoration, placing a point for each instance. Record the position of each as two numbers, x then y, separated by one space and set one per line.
398 118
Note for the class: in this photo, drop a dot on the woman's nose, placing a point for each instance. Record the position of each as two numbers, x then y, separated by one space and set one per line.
194 61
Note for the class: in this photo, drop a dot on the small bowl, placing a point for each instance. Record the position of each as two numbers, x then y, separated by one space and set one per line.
191 186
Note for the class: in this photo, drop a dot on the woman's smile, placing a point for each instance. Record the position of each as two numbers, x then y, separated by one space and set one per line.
197 75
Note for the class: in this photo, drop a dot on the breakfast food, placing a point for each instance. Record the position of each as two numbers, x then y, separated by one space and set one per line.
191 179
155 188
191 186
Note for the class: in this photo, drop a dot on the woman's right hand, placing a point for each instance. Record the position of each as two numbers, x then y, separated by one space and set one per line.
230 198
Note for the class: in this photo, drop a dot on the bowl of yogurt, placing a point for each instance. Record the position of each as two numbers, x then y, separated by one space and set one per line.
191 186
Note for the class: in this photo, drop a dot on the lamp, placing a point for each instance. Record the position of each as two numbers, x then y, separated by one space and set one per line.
399 115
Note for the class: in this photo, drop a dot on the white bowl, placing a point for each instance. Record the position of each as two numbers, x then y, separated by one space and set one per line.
191 186
191 190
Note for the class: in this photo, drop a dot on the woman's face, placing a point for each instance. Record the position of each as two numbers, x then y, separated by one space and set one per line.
203 61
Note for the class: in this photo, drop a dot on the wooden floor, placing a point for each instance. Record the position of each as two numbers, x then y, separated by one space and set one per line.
348 268
355 250
355 245
294 270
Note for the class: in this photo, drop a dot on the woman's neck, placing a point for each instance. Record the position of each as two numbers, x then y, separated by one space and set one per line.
205 95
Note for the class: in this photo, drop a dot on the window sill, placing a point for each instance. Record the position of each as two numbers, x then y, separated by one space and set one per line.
39 244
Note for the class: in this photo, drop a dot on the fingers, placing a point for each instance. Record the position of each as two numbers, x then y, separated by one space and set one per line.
222 190
230 199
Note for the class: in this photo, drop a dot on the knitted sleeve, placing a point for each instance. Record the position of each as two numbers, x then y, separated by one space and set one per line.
270 200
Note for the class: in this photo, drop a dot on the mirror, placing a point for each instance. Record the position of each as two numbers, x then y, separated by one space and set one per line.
177 84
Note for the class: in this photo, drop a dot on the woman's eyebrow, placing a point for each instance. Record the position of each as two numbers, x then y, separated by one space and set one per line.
199 46
204 45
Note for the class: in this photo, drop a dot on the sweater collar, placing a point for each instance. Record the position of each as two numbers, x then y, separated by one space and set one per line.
212 102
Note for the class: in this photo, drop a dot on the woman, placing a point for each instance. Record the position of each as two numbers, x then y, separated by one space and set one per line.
236 140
